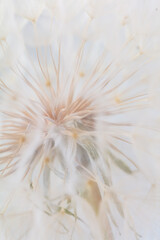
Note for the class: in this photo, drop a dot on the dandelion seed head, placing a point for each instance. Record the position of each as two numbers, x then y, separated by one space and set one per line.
71 139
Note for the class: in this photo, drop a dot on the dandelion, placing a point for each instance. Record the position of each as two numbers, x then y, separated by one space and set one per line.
68 118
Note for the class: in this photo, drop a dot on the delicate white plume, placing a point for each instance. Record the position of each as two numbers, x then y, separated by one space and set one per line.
79 122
